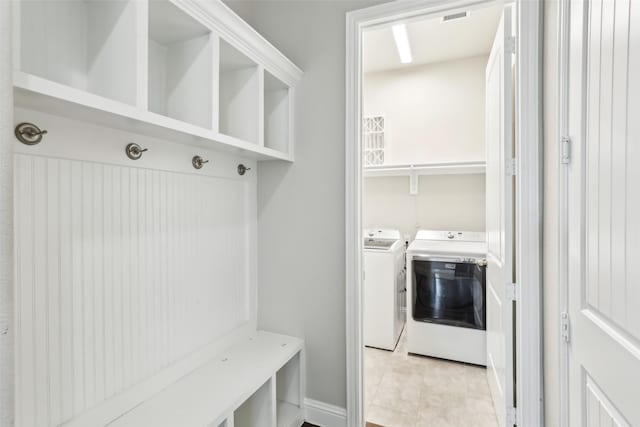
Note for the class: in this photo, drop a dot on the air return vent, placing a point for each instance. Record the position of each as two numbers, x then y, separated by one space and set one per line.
454 16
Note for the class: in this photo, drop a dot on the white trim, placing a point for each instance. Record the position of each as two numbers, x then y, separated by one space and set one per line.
528 232
243 37
7 322
529 387
563 208
324 414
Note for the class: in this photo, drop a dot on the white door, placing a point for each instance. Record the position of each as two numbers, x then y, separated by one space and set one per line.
604 213
499 193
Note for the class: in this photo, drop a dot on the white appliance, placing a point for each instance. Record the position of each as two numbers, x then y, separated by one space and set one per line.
446 293
384 288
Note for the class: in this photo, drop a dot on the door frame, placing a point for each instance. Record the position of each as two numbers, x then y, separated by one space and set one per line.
562 101
528 108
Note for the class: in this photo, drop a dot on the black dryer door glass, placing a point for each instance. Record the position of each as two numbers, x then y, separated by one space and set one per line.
449 293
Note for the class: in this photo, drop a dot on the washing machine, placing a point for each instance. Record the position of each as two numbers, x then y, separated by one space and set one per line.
446 295
384 292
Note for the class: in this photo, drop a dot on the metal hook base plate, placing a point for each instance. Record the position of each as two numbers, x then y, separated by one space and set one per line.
242 169
134 151
29 134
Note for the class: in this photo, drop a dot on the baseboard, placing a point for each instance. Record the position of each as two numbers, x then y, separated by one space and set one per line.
323 414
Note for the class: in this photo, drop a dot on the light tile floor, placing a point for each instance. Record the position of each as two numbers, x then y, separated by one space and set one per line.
402 390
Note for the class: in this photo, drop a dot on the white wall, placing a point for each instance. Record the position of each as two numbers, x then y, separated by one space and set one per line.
433 113
301 205
444 202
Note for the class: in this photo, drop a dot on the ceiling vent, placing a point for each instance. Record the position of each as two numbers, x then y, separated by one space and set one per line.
455 16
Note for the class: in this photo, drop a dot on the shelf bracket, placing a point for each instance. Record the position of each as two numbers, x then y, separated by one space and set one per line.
413 181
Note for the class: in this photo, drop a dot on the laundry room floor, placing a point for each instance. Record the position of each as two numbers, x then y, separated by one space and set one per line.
403 390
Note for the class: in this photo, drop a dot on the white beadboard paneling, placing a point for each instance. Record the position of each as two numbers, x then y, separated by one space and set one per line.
122 270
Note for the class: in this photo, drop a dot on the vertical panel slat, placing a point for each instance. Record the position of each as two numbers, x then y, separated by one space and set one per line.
66 292
619 162
148 223
144 280
162 233
54 292
24 242
79 366
40 290
109 282
593 152
633 175
125 250
118 262
98 279
134 283
606 104
87 284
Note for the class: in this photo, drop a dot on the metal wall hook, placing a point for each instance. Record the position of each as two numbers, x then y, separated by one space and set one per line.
198 162
29 134
134 151
242 169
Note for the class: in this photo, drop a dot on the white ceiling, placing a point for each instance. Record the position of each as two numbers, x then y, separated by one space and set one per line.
432 40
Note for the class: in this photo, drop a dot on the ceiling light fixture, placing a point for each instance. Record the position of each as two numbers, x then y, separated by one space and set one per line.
402 43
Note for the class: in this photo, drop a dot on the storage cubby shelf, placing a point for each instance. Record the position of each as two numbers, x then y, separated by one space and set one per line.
239 380
39 94
185 71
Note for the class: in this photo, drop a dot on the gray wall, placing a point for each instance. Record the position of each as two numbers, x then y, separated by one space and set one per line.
302 285
301 205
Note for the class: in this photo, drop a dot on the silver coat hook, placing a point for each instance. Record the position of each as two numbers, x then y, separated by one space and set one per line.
134 151
29 134
198 162
242 169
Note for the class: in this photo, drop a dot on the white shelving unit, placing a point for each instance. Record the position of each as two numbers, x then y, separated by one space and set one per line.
450 168
415 171
191 72
231 390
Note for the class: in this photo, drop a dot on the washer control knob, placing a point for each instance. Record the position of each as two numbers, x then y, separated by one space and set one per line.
450 235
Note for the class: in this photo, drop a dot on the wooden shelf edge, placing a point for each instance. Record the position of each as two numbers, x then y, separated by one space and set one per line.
43 95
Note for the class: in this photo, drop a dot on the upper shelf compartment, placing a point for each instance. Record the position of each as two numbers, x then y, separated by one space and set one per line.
180 65
239 90
277 105
88 45
190 72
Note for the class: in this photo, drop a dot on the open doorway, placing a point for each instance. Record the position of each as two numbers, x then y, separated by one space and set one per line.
438 326
425 293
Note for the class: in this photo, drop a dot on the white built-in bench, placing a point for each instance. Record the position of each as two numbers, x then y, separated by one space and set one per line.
256 383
